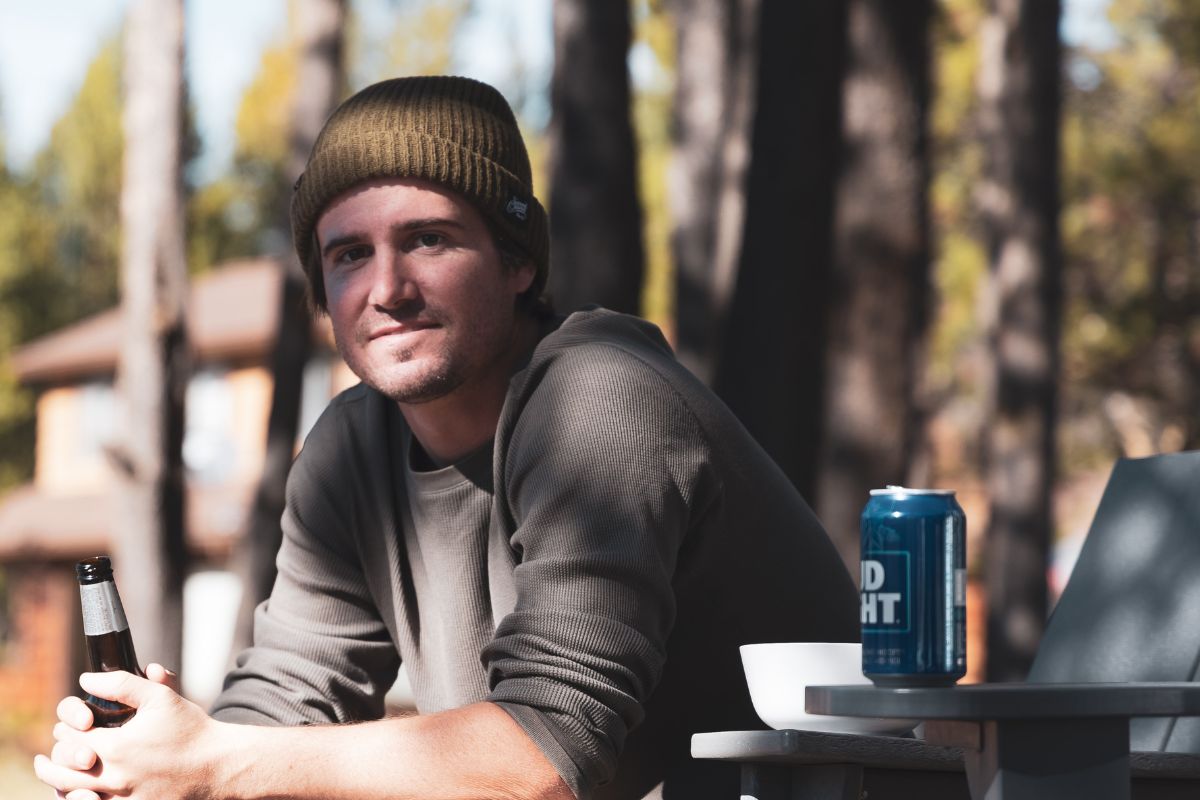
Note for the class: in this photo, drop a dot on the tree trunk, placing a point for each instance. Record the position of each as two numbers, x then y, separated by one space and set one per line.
153 370
770 368
880 283
1019 94
320 32
715 89
596 242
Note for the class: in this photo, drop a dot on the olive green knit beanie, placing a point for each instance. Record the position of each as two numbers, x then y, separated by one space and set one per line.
456 132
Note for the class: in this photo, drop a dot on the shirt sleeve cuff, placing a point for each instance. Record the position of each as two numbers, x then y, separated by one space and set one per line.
546 739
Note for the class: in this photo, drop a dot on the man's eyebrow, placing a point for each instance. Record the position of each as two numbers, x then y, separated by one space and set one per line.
428 222
412 224
338 241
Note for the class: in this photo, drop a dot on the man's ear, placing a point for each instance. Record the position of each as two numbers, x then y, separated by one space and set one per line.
523 276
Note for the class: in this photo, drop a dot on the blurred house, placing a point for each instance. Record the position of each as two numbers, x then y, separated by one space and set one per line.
67 511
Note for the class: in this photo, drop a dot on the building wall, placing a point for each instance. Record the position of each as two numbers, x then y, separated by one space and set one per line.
68 458
76 422
43 651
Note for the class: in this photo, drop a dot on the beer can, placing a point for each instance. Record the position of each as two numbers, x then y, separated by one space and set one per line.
914 592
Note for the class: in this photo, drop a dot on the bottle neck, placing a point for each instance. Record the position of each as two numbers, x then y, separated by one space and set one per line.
102 609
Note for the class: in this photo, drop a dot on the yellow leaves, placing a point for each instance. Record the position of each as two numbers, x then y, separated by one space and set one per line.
84 153
956 65
959 276
654 29
262 119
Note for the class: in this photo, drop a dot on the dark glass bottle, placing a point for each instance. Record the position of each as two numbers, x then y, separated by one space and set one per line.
109 644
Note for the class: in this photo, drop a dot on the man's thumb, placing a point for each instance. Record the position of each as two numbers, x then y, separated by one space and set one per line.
119 686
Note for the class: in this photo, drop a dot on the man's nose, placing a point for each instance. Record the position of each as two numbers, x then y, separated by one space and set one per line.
391 285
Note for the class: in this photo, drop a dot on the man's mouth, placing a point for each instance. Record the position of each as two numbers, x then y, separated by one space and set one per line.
400 328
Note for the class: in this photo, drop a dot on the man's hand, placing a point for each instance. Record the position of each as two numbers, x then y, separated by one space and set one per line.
171 750
147 757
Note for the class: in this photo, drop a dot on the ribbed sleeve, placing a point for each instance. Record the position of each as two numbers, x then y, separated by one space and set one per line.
321 652
601 469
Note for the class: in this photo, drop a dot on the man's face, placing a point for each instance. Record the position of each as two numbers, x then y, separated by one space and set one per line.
420 303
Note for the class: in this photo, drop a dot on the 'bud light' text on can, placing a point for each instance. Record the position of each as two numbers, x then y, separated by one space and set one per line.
913 587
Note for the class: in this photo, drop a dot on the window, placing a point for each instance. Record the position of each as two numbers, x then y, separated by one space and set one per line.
208 446
97 417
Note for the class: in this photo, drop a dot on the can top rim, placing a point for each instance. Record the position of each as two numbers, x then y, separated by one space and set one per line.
905 490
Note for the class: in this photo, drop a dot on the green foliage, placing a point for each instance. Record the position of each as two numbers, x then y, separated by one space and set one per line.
224 220
78 179
1131 181
954 383
1130 202
59 242
240 214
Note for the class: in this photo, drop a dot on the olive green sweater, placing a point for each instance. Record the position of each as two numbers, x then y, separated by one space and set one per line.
593 571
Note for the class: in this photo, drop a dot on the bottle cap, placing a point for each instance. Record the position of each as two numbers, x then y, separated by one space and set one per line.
94 570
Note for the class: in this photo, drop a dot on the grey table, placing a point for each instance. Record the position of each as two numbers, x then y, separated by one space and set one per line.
991 742
1024 741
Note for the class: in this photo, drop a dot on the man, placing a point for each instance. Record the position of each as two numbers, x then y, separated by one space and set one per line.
558 530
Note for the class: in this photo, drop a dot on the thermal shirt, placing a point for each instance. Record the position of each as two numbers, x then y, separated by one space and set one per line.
593 570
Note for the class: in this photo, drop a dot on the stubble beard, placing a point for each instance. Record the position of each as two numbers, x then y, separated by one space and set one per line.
402 380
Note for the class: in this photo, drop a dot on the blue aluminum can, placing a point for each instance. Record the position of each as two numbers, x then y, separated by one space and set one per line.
914 593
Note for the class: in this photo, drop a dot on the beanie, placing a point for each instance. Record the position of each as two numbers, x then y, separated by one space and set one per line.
453 131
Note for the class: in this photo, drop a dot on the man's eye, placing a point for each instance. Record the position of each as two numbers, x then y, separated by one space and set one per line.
430 240
351 254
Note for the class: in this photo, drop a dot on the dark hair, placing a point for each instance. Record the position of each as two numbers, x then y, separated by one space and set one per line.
535 300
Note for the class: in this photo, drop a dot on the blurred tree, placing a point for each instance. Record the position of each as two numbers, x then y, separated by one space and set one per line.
1132 186
58 241
78 182
239 213
595 213
951 389
1019 82
20 236
654 46
880 282
772 338
152 369
716 80
318 29
26 288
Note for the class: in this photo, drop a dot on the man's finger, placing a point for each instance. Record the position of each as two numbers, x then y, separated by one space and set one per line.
65 733
64 779
75 713
160 674
73 755
80 794
120 687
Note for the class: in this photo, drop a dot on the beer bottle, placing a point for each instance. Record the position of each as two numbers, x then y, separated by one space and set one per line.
109 644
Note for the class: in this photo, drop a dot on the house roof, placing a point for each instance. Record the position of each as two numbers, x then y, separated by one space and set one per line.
35 523
232 313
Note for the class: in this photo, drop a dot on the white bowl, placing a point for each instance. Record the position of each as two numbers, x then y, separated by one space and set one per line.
778 673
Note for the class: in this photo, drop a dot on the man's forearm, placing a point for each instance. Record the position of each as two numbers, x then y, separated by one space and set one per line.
477 751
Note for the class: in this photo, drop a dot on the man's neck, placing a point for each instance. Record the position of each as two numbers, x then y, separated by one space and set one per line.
458 424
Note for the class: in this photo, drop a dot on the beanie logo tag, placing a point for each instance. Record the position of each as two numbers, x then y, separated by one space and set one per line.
517 208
